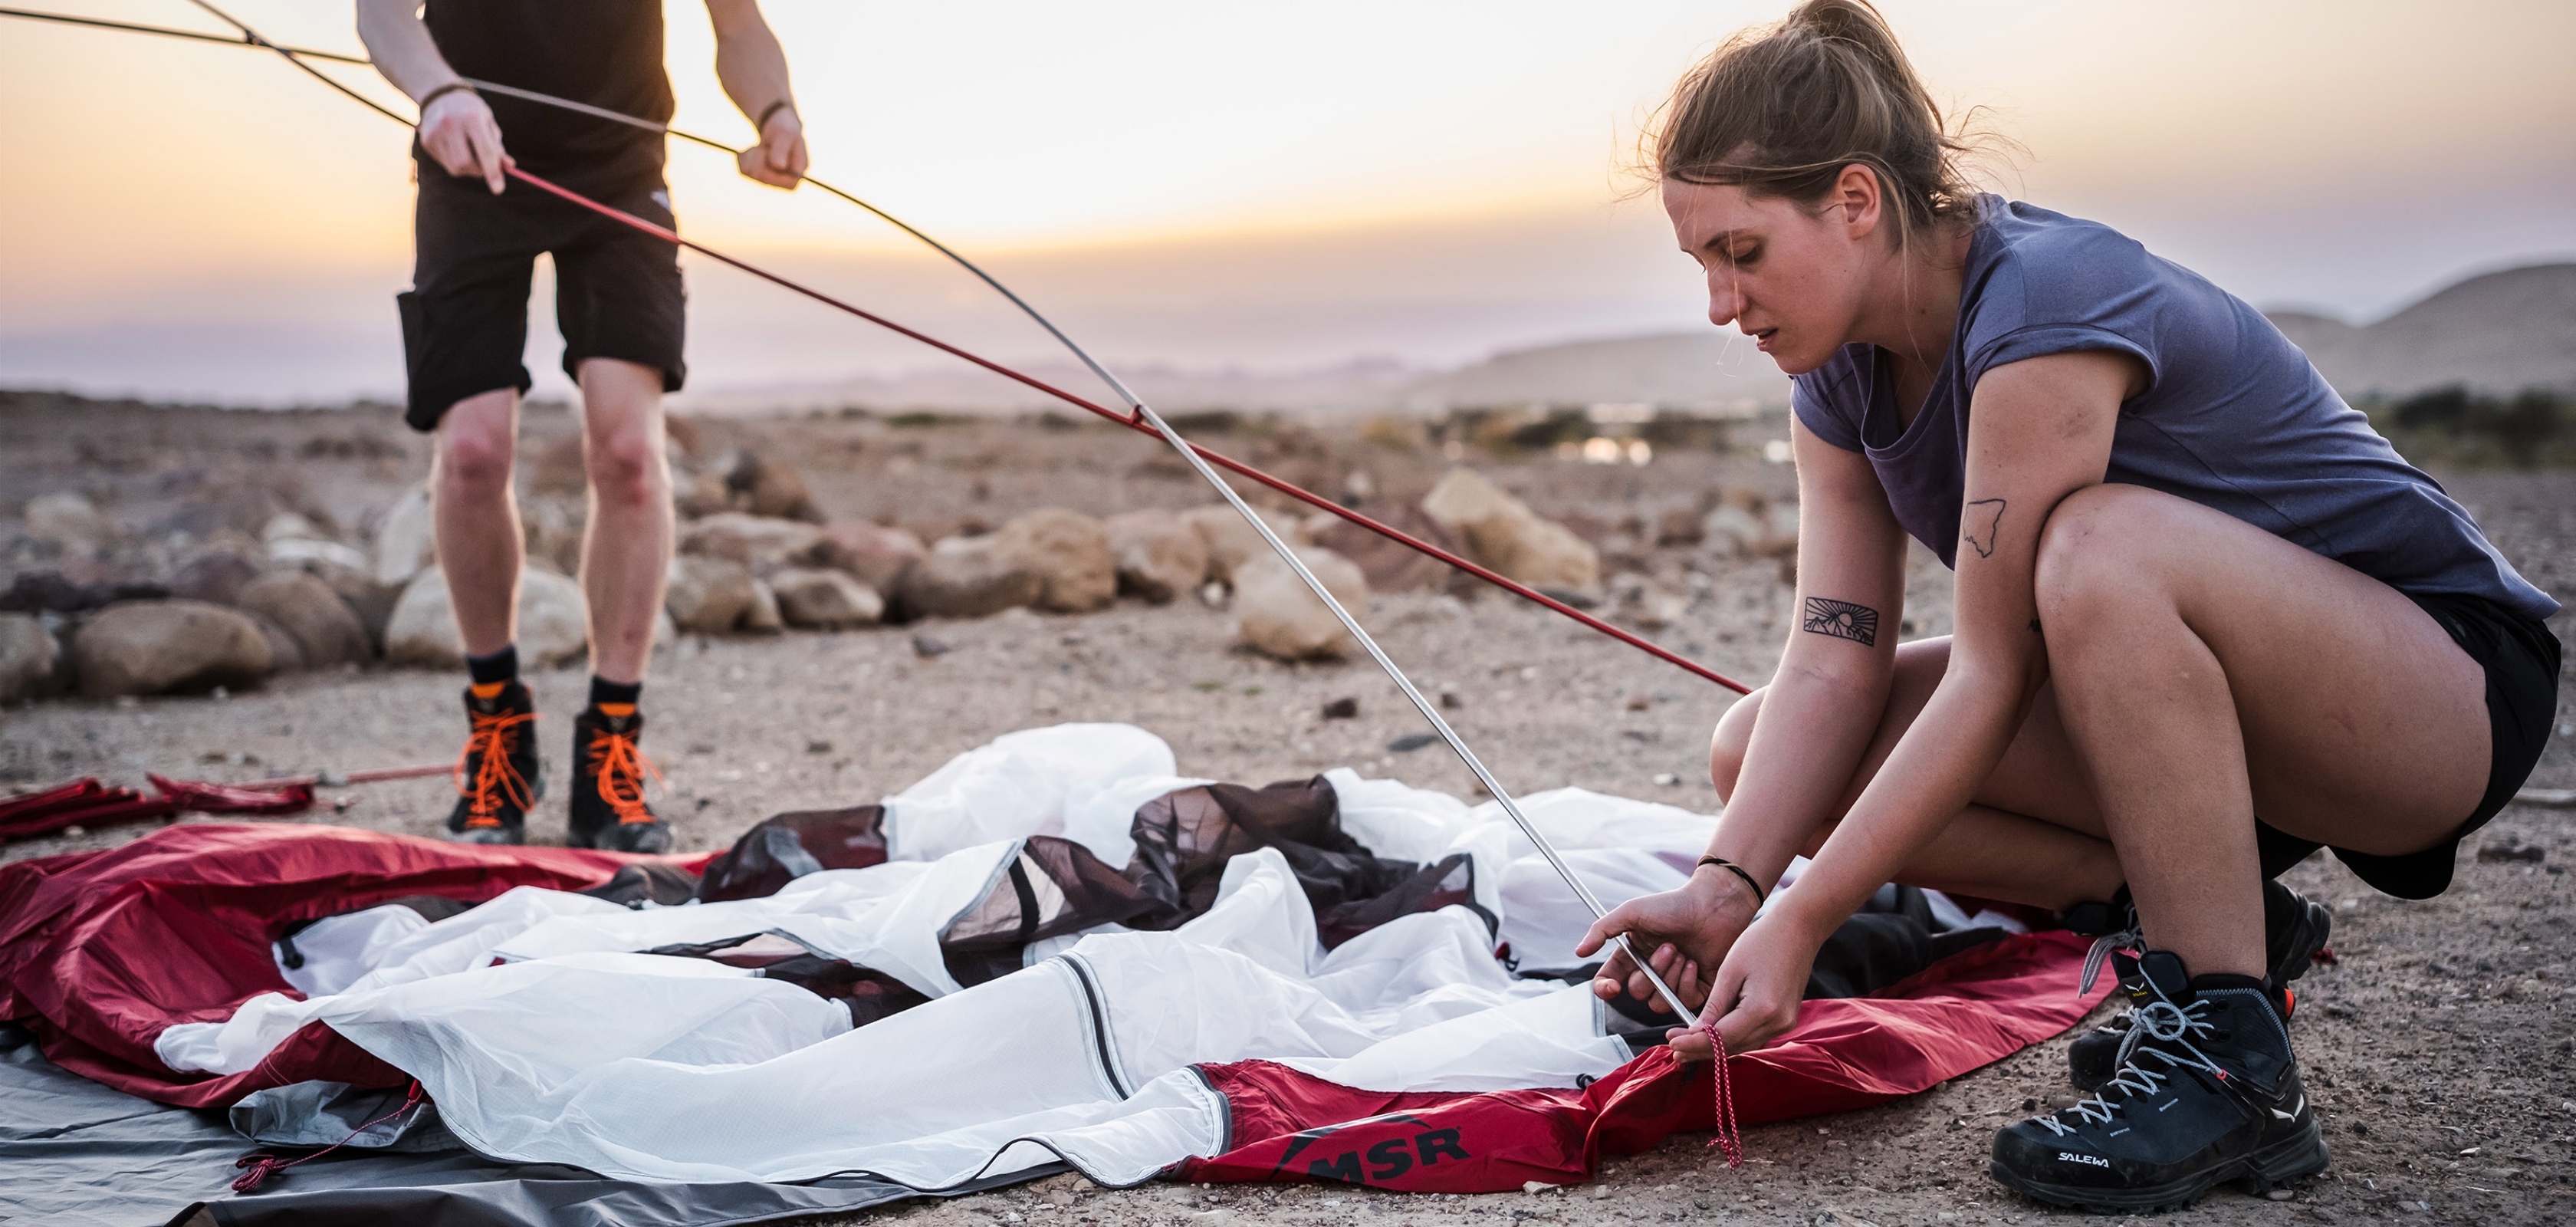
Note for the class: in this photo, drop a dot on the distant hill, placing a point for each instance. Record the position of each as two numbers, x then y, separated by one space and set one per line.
1706 370
2497 334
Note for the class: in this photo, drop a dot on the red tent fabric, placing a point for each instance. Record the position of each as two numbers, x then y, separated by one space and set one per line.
101 950
1963 1012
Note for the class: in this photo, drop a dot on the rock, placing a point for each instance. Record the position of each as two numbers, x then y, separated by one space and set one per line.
965 577
827 599
1503 533
312 554
285 655
370 602
70 523
698 494
763 617
28 657
215 576
1734 531
148 647
407 541
290 526
44 591
1344 708
1276 614
560 466
761 543
553 528
1230 540
877 554
1068 552
1679 526
325 630
554 622
1390 565
1648 603
779 490
1158 554
708 595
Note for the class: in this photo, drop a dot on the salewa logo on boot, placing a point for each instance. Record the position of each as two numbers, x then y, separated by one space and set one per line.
2068 1156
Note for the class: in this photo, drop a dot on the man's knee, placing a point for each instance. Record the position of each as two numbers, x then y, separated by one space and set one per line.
627 465
1726 746
476 447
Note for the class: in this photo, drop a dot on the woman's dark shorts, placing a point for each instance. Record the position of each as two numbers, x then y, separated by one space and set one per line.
465 319
2520 657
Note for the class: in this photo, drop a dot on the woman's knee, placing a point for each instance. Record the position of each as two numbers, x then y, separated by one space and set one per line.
1726 746
2100 544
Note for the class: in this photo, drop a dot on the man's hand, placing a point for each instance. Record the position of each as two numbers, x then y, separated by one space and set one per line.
779 159
1683 934
459 131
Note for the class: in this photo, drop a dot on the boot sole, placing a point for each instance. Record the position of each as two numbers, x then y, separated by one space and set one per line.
2284 1162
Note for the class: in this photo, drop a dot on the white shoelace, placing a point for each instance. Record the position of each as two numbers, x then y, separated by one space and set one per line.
2160 1020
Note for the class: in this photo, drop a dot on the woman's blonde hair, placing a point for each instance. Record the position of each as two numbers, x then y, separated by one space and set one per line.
1781 110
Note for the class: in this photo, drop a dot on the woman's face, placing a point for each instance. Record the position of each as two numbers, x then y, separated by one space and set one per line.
1792 278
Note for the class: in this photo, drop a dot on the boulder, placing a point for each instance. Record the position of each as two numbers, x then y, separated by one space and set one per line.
965 577
829 600
1159 555
1390 565
1503 533
1230 541
761 543
28 657
370 602
878 555
215 576
291 526
698 494
1277 615
1678 526
779 490
1756 531
553 528
317 555
325 630
763 617
69 522
1069 553
148 647
708 595
407 541
285 655
560 466
554 622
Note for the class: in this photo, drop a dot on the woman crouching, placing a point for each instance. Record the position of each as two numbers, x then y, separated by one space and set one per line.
2207 621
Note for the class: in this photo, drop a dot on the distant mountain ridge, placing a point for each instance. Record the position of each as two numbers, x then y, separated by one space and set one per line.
2496 334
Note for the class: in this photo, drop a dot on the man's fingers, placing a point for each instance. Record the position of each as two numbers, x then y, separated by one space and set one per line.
487 155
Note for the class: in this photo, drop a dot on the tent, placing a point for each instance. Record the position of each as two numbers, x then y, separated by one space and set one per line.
1054 951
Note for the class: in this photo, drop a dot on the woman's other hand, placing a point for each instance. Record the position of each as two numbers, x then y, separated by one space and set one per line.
1681 933
1756 991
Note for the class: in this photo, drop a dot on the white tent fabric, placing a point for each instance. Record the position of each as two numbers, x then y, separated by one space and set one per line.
544 1036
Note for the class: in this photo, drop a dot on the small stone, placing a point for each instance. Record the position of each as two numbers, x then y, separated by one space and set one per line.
1159 555
2277 1194
1449 699
818 747
75 831
1667 779
2360 1130
1277 615
828 600
1640 703
1068 552
28 656
69 522
2324 1215
764 617
707 595
928 648
1411 742
1345 708
1601 1192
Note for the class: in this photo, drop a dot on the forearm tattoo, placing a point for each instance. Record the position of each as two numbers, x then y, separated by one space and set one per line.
1985 518
1842 620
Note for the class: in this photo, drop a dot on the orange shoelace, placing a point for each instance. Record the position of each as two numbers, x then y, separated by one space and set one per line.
496 779
622 768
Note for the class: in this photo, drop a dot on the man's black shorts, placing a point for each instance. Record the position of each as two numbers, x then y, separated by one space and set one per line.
465 319
2520 658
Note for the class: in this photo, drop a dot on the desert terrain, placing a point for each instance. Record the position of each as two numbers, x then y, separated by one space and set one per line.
2440 1044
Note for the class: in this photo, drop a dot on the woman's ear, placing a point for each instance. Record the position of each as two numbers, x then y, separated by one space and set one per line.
1856 197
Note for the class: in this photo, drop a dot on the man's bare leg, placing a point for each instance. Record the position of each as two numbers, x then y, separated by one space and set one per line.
626 549
475 512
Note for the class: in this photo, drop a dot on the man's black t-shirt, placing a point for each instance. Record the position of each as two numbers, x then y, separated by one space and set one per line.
607 53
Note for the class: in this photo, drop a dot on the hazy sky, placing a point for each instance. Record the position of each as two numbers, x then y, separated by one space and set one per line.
1231 183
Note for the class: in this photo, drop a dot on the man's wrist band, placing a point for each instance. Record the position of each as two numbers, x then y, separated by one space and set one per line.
1760 896
443 91
762 124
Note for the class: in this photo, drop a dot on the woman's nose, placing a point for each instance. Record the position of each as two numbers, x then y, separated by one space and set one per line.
1724 303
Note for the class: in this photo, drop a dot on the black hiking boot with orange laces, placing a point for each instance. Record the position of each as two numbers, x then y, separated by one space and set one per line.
498 777
608 810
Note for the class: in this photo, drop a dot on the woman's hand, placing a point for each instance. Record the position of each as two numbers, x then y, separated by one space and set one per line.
1680 932
1756 990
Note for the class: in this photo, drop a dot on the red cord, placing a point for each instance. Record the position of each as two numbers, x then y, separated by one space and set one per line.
1135 422
1728 1142
263 1165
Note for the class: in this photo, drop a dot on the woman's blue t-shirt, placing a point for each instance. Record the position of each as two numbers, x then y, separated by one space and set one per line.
2233 417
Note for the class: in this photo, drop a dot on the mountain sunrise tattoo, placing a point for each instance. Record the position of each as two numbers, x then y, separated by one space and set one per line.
1842 620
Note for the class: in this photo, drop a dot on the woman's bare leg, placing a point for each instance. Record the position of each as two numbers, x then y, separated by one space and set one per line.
2206 671
2034 836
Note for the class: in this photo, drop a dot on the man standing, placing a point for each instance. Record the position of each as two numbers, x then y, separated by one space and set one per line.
618 302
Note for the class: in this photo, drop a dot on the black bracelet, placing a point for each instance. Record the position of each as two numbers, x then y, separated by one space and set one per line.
1760 897
443 91
762 124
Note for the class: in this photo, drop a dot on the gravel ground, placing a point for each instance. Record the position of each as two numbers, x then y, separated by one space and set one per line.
2438 1045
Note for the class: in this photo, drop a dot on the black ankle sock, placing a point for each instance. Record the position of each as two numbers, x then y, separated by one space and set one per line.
603 690
501 666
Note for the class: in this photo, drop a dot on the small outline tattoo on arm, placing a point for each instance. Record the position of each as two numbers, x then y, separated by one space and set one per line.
1985 544
1842 620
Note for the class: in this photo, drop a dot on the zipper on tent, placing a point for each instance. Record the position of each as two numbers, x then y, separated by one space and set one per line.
1091 994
